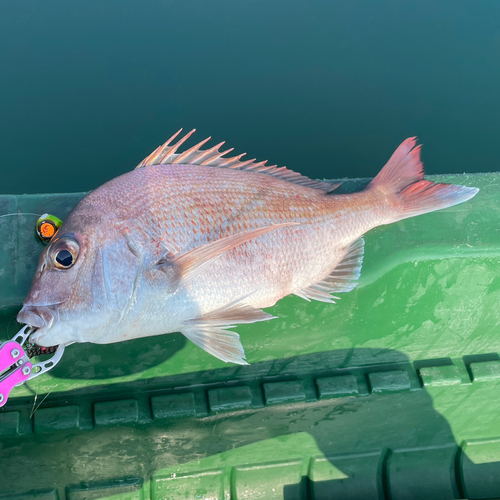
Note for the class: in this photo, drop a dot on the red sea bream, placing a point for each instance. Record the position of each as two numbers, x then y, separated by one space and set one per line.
198 243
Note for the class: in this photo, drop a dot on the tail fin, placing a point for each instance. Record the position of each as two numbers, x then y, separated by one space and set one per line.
403 176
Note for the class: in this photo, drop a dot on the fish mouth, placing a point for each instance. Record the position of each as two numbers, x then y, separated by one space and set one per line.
37 316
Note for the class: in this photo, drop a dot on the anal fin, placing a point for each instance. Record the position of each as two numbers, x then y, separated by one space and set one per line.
342 279
210 332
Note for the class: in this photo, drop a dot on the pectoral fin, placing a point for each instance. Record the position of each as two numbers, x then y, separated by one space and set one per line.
210 331
192 263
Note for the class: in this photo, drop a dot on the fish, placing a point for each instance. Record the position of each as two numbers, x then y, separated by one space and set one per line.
198 242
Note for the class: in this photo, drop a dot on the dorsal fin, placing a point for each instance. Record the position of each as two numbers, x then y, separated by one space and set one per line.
212 157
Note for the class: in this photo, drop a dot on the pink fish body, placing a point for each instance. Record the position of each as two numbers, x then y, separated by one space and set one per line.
198 243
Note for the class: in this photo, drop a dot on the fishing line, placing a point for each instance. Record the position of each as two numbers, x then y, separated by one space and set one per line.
20 213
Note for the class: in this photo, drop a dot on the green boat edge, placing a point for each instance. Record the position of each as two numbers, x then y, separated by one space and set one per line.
397 382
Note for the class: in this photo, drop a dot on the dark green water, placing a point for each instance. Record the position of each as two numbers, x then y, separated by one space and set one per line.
328 88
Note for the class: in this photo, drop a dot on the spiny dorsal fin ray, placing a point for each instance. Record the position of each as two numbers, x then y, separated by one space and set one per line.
342 279
212 157
210 331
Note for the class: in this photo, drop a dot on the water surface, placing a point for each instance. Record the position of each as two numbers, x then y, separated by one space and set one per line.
87 89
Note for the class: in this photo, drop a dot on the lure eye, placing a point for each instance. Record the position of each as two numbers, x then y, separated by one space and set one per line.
64 252
47 226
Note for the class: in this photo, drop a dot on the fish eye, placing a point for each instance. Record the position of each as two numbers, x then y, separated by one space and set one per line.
64 252
64 258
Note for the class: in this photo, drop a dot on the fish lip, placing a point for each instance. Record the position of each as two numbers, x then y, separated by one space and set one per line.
37 316
31 319
37 337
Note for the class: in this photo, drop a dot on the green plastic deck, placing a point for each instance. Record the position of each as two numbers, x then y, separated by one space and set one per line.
392 393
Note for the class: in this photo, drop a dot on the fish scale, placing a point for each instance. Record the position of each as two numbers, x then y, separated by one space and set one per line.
215 225
197 242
